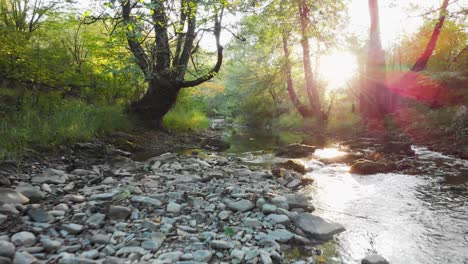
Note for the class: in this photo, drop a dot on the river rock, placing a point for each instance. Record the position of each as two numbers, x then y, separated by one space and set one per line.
10 196
237 254
7 249
280 202
370 167
294 165
278 219
397 147
3 218
24 258
220 244
295 151
33 193
129 249
241 205
174 207
297 200
39 215
170 257
95 220
119 212
202 255
49 244
374 259
4 181
52 176
280 235
146 200
317 227
73 228
24 238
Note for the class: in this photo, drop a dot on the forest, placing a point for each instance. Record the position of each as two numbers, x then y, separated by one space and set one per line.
199 131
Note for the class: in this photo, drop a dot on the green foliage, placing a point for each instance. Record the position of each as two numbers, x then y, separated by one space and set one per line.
189 113
69 121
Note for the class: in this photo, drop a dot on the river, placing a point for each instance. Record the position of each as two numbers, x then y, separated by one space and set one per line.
408 219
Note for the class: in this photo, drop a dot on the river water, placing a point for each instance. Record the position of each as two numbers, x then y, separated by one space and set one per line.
408 219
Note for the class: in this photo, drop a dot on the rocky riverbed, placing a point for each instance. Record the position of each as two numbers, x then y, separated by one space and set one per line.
170 208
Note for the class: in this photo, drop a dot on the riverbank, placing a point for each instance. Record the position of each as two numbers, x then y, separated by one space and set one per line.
165 209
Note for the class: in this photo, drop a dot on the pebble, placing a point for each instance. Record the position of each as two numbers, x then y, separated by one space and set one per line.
24 258
95 220
119 212
173 207
73 228
202 255
220 244
241 205
7 249
24 238
3 218
39 215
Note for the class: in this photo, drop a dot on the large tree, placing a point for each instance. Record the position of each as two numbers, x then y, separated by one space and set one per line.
164 36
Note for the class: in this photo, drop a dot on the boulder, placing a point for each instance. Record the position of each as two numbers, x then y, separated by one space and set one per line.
370 167
295 151
316 227
293 165
397 147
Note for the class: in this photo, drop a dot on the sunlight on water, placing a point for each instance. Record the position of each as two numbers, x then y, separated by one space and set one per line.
329 153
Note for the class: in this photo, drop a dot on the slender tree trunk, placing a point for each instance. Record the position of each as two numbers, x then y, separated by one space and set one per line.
157 101
302 109
422 61
378 100
310 85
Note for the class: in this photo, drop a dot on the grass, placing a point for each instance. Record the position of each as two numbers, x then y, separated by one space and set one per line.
185 118
68 122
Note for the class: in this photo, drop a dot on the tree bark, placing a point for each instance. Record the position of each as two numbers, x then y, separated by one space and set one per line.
422 61
302 109
310 85
157 101
377 100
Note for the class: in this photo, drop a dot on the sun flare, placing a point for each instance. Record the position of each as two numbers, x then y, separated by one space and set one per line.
337 68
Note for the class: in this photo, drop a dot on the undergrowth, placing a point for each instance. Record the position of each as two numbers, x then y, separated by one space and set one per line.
67 122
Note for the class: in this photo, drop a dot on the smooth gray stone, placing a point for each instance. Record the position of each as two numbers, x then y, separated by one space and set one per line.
7 249
10 196
317 227
374 259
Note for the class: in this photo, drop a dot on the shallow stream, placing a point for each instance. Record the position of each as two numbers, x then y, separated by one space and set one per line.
408 219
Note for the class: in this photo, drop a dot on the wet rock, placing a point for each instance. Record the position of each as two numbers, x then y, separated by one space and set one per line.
397 147
294 183
374 259
24 238
294 165
370 167
119 212
241 205
7 249
295 151
24 258
317 227
39 215
10 196
297 200
279 172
